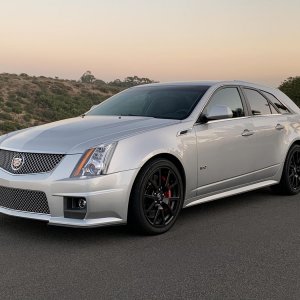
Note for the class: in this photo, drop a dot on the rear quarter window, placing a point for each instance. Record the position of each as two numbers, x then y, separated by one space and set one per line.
280 107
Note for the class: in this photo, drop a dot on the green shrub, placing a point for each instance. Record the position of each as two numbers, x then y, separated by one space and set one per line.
7 109
17 110
9 126
22 94
4 116
27 118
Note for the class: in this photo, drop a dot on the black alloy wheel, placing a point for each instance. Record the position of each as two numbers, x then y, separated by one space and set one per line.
157 197
294 170
290 179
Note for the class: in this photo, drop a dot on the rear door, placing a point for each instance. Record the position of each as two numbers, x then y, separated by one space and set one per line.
269 130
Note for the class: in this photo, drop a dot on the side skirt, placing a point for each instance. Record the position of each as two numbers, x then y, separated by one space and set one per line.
232 192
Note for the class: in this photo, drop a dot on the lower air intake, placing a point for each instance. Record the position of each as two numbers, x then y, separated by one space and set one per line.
24 200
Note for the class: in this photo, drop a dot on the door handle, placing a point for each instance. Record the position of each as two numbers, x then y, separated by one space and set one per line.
279 127
247 132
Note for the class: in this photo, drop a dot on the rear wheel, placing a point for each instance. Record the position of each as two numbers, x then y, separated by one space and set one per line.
290 179
157 197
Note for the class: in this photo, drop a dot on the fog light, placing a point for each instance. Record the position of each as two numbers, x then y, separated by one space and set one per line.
75 207
82 203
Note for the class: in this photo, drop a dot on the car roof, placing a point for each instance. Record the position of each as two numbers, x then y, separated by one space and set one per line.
207 83
184 83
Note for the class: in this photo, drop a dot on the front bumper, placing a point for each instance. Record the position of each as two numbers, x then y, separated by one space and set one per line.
107 196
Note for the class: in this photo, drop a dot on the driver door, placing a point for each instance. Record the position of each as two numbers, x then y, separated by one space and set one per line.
225 146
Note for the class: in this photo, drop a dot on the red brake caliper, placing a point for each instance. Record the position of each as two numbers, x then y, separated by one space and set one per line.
168 193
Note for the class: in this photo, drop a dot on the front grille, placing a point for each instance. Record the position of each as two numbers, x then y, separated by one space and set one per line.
33 162
24 200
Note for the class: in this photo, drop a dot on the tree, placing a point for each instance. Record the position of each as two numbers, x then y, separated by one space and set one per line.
291 87
135 80
116 82
87 77
99 82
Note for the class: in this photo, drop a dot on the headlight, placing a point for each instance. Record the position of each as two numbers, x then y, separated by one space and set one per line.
95 161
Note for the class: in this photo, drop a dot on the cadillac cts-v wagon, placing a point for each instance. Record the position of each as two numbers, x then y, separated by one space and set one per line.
144 154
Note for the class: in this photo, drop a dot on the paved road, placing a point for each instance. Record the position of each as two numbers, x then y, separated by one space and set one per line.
242 247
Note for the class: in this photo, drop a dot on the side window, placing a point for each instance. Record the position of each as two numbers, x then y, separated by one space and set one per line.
282 109
229 97
259 105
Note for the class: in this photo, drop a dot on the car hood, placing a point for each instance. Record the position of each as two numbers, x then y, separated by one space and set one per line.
76 135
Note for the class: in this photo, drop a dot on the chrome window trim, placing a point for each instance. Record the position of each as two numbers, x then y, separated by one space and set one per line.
266 115
239 118
228 119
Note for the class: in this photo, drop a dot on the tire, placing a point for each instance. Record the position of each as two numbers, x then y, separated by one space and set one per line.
156 198
290 179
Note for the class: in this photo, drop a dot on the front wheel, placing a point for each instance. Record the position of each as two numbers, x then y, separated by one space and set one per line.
157 197
290 179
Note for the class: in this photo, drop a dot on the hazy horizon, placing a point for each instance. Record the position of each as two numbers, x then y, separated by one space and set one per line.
163 40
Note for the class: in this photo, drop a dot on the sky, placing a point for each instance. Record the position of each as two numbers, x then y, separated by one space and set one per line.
165 40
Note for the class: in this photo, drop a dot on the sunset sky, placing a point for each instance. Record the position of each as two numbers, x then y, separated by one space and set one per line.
166 40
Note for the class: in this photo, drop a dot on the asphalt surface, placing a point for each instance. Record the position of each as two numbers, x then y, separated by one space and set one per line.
242 247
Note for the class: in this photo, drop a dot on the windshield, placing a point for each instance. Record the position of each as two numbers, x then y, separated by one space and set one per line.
165 102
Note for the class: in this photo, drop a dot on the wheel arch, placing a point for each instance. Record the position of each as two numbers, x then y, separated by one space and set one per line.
284 185
295 142
166 156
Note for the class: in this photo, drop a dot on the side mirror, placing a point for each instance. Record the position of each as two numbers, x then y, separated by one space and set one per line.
217 112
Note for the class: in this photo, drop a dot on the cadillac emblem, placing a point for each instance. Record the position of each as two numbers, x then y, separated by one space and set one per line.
17 162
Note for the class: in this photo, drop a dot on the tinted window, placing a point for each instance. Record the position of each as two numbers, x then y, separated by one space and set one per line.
282 109
229 97
259 104
167 102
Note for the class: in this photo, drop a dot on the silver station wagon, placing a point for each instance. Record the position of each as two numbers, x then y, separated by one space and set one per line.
144 154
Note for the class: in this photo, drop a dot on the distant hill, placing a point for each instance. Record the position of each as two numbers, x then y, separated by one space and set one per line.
29 100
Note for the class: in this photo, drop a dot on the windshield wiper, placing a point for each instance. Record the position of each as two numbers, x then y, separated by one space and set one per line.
131 115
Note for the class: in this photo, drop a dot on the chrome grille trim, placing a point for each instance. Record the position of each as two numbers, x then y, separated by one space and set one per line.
33 162
24 200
